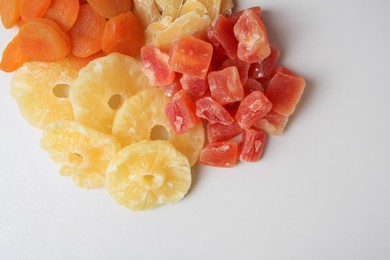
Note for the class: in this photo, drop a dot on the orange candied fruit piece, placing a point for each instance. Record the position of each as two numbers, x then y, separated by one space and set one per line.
13 56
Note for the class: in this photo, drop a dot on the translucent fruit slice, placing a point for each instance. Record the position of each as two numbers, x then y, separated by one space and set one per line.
170 7
148 174
80 152
213 7
142 118
147 11
193 5
102 86
41 91
155 28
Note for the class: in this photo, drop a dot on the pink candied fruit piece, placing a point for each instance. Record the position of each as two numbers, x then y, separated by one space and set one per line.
212 111
252 145
284 91
196 87
221 35
191 56
155 66
220 154
220 132
252 107
252 85
180 112
265 69
233 18
252 38
242 66
171 89
272 123
225 85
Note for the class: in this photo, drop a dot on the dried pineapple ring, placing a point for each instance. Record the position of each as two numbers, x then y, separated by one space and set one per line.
186 24
41 91
80 152
143 114
147 11
170 7
101 88
155 28
193 5
148 174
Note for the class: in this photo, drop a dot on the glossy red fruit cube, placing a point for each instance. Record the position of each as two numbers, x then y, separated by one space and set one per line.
252 38
225 85
242 66
221 154
221 35
180 113
191 56
171 89
155 66
264 70
252 85
233 18
252 145
253 107
220 132
284 91
196 87
212 111
272 123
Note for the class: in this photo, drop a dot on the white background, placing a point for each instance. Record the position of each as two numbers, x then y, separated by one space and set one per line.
321 191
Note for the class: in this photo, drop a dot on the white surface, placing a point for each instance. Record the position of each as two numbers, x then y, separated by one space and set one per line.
321 191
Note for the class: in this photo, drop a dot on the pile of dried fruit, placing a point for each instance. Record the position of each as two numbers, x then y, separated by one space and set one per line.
123 89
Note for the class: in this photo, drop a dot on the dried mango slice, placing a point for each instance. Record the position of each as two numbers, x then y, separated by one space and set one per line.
148 174
80 152
193 5
170 7
147 11
155 28
213 7
226 7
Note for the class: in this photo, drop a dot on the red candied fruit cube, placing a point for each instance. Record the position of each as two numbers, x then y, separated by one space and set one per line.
265 69
242 66
252 145
212 111
220 132
234 17
220 154
221 35
252 38
252 107
180 113
252 85
272 123
225 85
191 56
172 88
284 91
197 87
155 66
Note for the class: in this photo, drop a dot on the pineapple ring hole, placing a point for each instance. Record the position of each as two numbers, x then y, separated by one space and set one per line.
75 158
159 132
148 179
61 90
115 101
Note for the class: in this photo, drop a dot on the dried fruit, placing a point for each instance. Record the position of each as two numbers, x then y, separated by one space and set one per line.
220 154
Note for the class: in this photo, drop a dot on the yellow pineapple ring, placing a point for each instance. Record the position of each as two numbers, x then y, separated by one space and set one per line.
79 151
41 90
148 174
142 116
101 88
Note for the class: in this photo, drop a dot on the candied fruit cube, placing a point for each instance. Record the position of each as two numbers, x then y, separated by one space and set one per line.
220 132
196 87
234 17
221 35
284 91
252 145
242 66
155 66
264 70
212 111
252 85
252 38
220 154
225 85
181 113
252 107
191 56
172 88
272 123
